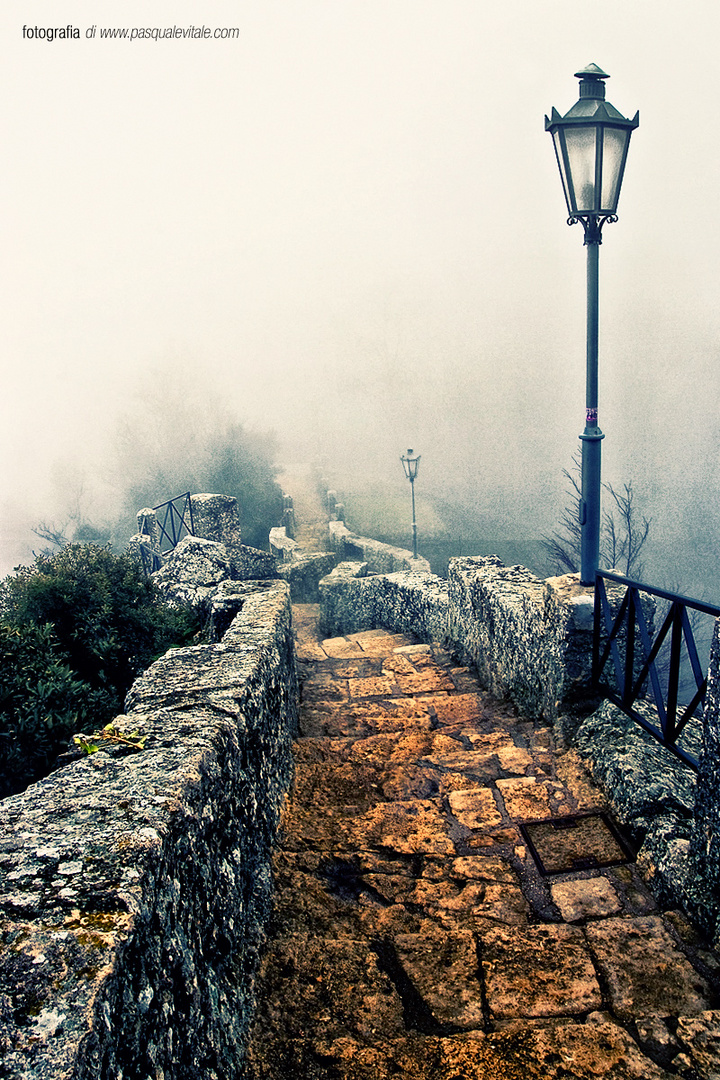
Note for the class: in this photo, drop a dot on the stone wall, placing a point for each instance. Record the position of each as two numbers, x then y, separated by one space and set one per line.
134 884
303 570
408 602
530 640
380 558
305 573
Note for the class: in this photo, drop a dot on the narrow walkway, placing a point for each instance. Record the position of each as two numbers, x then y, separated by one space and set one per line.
413 934
311 528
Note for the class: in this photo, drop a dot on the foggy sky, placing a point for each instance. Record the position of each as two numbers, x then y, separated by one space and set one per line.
349 224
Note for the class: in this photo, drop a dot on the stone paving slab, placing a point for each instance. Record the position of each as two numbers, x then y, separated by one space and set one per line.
539 971
443 967
645 970
700 1036
590 898
412 934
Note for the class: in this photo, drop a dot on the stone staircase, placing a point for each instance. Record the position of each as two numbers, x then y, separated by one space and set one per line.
414 935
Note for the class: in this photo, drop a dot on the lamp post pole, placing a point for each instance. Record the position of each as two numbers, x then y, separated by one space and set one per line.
410 465
591 145
592 436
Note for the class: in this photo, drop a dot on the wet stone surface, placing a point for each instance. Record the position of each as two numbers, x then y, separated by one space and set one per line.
413 935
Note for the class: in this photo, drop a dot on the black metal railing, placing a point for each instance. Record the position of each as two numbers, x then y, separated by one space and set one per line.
650 666
176 521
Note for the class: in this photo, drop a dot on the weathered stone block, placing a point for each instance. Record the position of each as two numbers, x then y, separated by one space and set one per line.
512 629
282 546
644 970
641 778
193 572
251 564
538 971
216 517
585 898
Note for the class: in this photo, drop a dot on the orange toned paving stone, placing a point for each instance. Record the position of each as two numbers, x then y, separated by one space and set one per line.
539 971
586 796
585 899
408 827
399 663
475 809
645 970
699 1037
379 686
326 688
458 709
525 799
443 966
379 643
342 648
429 681
579 1052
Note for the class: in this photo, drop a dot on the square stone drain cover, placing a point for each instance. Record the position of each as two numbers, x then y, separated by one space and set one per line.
583 842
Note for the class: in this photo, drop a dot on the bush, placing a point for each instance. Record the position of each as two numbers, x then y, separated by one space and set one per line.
76 628
42 703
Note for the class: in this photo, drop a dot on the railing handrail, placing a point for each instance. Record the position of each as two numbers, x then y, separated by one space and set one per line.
631 678
687 601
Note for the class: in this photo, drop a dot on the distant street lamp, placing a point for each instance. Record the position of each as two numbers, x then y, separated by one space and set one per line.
410 465
591 145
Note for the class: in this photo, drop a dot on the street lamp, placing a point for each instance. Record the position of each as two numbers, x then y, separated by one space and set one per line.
410 465
591 145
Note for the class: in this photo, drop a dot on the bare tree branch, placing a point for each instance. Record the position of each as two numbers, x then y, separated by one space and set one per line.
624 531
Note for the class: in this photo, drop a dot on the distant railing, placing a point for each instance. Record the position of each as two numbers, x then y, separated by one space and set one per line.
624 636
177 521
174 520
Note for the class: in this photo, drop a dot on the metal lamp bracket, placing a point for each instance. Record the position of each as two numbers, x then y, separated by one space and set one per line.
592 225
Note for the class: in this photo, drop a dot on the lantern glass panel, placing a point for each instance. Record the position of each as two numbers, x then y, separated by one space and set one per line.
560 154
615 141
581 140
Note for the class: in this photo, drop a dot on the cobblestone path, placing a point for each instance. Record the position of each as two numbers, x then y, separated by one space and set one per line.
413 935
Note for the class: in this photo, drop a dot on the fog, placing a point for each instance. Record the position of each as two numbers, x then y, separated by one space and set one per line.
346 225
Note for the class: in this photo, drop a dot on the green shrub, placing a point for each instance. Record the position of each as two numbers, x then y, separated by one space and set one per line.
76 628
41 703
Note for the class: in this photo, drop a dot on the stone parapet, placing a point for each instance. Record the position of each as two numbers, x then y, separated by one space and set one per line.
407 602
282 546
134 885
252 564
381 558
193 571
304 574
528 639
